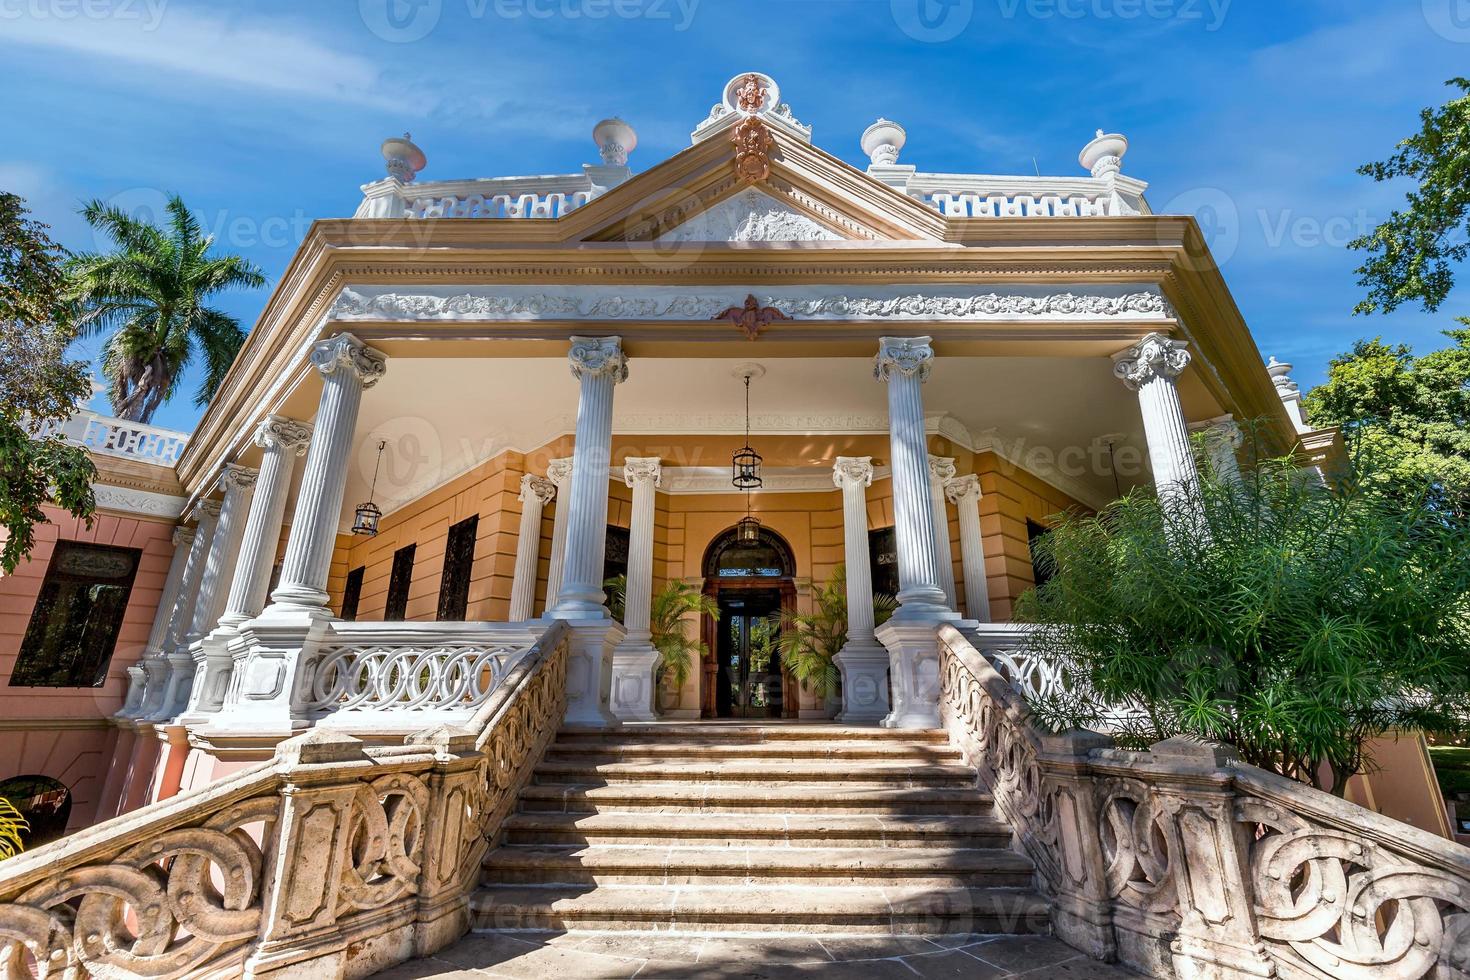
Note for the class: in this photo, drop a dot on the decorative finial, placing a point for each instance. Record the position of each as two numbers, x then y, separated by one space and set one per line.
1103 156
615 139
882 141
403 158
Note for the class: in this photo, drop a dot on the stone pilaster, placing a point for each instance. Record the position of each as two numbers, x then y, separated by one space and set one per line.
536 492
863 661
964 493
941 471
1151 368
347 367
635 661
211 662
559 472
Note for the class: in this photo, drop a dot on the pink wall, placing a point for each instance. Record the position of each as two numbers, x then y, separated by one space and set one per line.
62 732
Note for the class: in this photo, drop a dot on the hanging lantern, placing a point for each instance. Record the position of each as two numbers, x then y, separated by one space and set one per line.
748 529
745 465
369 514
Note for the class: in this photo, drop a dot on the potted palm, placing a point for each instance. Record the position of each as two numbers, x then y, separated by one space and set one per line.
810 642
669 623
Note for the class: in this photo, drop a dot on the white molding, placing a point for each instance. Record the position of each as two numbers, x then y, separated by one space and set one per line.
750 216
143 502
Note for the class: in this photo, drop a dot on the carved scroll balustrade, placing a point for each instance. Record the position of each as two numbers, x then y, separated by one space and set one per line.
118 437
529 205
333 859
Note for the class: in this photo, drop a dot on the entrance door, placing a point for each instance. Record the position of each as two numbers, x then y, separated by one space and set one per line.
748 681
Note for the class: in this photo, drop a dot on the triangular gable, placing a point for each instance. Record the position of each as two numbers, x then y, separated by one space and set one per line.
751 215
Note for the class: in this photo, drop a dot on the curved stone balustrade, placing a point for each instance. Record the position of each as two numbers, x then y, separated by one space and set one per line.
392 677
548 205
333 859
1183 861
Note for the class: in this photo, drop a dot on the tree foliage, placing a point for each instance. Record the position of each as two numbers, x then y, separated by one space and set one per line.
39 387
1412 254
1290 620
1411 415
12 829
669 612
810 642
148 298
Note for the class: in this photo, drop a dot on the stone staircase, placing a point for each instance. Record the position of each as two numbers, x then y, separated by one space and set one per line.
765 829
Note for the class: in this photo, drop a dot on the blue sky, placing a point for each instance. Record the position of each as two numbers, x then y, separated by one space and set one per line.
266 115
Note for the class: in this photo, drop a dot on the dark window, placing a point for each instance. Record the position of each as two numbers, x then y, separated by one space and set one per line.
459 559
398 582
352 593
77 616
615 560
44 802
1034 533
883 558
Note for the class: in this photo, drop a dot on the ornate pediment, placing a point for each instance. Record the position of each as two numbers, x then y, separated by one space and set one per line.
751 216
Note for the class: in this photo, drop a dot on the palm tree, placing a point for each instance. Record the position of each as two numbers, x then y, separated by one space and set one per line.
12 829
809 642
148 296
668 623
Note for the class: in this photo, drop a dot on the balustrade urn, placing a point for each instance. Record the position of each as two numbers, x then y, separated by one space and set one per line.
536 492
964 493
862 661
635 661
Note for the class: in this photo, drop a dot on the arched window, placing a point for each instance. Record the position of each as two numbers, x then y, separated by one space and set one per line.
768 557
44 802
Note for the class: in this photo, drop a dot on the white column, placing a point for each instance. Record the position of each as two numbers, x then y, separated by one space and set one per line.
964 493
155 657
598 365
941 471
536 491
181 665
281 440
1150 368
559 472
212 662
863 661
1223 439
347 366
635 661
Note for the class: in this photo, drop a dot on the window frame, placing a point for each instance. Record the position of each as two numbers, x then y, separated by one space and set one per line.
29 662
352 592
400 580
459 567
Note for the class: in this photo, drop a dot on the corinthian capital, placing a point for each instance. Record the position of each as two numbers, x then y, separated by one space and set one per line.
640 469
183 537
963 489
908 356
1155 356
345 352
236 477
852 471
559 471
598 355
282 434
538 487
941 469
205 508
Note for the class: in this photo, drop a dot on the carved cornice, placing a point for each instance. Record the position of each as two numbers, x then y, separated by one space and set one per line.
1155 356
910 357
141 502
592 357
345 352
851 471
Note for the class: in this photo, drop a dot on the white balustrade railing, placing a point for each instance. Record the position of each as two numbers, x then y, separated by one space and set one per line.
970 204
525 205
119 437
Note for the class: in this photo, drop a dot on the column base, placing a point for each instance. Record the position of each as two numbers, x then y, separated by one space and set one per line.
589 671
212 670
634 669
267 654
864 667
913 652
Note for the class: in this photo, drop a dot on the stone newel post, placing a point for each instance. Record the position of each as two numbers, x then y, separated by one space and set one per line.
635 661
536 492
941 471
281 441
964 493
347 366
863 661
1150 368
212 665
559 472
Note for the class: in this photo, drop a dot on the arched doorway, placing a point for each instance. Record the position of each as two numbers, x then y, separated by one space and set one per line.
752 583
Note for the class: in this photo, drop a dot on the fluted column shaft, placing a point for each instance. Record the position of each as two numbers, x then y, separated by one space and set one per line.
642 475
964 493
904 363
941 471
176 646
535 492
599 365
155 662
854 474
281 441
559 472
347 367
1223 439
1151 368
224 546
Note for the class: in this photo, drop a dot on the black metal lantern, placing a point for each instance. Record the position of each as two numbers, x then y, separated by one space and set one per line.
748 529
369 514
745 465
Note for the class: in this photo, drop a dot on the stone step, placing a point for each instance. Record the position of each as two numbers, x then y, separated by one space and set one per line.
730 732
890 909
790 751
807 798
793 830
606 864
897 774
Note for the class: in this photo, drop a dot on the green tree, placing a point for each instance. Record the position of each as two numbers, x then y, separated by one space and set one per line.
668 614
1290 620
1412 254
810 642
1410 414
12 829
148 297
39 387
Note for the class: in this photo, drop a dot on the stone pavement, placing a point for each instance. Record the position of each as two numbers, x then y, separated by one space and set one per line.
661 956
